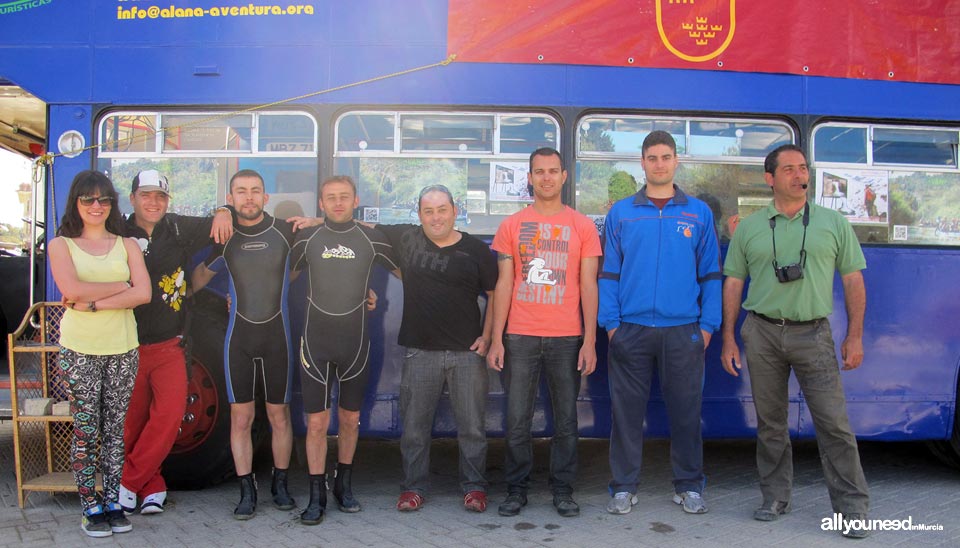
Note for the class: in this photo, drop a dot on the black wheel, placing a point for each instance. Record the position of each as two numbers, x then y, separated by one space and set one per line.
948 451
201 456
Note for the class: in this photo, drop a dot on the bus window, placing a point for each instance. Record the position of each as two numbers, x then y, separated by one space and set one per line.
370 132
878 187
914 147
199 152
843 144
128 133
721 162
481 157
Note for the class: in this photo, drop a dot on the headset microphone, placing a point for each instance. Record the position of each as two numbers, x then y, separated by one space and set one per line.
804 186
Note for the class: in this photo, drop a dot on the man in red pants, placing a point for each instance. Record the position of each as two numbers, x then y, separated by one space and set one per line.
160 393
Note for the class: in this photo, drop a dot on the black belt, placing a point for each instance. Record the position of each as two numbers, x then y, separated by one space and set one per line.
782 322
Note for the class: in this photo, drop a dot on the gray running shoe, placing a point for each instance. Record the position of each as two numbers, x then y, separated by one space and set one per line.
691 501
621 503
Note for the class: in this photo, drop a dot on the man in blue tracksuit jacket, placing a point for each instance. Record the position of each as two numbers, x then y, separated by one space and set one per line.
660 291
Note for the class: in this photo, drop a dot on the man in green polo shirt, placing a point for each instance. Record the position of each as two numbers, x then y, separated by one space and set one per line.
790 250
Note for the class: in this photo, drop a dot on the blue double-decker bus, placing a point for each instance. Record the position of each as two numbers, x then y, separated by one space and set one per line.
380 90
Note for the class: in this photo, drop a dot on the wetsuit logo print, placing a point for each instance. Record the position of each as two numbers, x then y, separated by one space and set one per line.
339 252
254 246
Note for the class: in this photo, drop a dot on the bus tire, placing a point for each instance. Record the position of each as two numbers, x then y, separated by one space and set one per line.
948 450
201 456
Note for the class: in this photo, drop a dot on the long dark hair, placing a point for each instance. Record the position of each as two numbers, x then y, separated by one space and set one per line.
89 183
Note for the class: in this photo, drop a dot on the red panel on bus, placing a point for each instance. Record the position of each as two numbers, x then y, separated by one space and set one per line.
871 39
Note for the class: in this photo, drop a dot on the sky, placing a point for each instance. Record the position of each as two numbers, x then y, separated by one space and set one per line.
14 170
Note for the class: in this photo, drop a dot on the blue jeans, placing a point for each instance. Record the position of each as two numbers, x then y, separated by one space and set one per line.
421 384
676 354
557 356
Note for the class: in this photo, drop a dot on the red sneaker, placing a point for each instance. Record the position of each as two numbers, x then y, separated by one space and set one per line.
475 501
409 501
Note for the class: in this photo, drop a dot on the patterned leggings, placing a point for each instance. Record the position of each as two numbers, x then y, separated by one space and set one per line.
100 388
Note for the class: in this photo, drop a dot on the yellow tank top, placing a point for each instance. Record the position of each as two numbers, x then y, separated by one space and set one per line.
104 332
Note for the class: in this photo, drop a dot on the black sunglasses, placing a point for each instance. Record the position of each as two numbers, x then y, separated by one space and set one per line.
104 201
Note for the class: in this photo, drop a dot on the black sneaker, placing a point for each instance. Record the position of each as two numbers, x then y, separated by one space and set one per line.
565 505
96 525
118 521
512 504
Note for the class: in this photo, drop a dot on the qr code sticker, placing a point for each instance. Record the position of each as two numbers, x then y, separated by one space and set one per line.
371 215
899 232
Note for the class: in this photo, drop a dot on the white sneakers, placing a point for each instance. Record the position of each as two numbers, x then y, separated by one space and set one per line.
153 504
128 500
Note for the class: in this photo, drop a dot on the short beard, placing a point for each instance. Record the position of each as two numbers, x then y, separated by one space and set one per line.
250 216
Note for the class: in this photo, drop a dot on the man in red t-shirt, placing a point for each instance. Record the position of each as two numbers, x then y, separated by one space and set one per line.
545 317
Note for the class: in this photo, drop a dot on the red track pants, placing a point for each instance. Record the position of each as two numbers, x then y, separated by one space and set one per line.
154 416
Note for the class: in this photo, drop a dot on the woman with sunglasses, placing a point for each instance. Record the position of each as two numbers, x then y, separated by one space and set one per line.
102 278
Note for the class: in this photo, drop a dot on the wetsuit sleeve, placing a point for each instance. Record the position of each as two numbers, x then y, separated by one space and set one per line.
214 260
708 275
298 253
385 255
609 279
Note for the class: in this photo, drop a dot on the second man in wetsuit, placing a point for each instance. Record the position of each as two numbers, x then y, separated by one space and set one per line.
340 256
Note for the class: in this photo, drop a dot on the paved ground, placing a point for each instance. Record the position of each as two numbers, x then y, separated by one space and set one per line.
905 482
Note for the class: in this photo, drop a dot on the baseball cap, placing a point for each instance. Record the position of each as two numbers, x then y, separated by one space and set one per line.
149 180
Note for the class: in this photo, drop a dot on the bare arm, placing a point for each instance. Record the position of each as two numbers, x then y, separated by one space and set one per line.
732 296
502 298
855 298
482 344
201 277
589 299
65 275
138 292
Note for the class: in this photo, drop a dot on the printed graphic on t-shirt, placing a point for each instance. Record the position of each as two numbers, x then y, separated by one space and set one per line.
173 287
339 252
544 252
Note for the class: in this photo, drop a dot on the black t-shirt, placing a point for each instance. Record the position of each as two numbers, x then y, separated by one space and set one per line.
440 288
257 258
340 257
166 253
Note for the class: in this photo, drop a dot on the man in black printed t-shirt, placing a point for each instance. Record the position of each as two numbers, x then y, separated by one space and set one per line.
447 336
339 256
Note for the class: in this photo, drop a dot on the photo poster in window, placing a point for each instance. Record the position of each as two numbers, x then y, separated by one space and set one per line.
508 182
862 196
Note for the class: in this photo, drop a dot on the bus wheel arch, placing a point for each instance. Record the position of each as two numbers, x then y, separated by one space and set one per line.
201 455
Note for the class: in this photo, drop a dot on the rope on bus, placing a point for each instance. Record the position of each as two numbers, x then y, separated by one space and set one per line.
48 157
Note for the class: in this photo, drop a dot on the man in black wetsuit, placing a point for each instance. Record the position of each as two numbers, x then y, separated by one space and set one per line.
339 256
256 349
160 393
